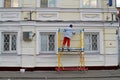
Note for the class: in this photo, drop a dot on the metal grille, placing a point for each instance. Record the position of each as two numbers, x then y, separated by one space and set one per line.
9 42
6 42
51 42
91 41
13 41
94 42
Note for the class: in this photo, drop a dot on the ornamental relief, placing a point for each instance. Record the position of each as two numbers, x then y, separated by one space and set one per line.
10 16
48 16
91 16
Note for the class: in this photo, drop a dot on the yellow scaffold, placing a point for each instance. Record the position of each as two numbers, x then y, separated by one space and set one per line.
80 51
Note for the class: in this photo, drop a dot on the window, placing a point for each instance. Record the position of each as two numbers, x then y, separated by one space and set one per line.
47 40
9 42
92 41
117 3
89 3
47 3
10 3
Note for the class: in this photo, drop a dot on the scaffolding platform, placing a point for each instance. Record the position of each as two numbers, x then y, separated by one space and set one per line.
71 50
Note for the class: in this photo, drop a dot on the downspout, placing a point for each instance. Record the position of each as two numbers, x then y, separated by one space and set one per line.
119 39
118 18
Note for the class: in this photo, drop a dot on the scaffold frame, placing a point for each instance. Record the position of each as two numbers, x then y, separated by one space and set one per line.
79 51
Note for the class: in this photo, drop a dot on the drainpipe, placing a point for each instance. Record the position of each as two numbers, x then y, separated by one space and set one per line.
118 17
119 36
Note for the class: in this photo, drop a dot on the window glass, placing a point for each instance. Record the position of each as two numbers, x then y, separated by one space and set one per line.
44 3
91 41
51 3
89 3
15 3
47 3
117 3
7 3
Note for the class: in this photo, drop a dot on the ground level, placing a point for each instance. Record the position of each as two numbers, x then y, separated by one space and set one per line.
62 75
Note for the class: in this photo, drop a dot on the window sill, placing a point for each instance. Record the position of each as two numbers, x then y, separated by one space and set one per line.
8 54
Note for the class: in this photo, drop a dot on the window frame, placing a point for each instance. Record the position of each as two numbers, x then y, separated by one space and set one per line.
100 42
39 42
10 34
18 48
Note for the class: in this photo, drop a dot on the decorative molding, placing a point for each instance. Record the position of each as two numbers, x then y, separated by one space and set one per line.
56 9
91 16
47 16
10 16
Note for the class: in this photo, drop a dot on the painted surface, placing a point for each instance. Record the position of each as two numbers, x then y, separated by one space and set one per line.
69 3
28 53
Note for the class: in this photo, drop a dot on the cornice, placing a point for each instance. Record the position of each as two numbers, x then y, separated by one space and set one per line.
83 10
61 23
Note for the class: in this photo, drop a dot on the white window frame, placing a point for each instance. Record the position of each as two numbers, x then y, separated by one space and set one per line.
100 44
39 42
10 51
98 3
18 42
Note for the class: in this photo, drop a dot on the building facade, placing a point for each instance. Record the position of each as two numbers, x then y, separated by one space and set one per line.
29 28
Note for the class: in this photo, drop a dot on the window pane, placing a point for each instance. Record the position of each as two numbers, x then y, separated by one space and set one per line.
15 3
6 42
13 42
51 3
43 42
93 3
7 3
94 42
51 42
44 3
89 3
87 42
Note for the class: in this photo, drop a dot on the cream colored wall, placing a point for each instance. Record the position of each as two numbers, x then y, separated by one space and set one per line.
29 3
110 40
28 48
28 57
69 16
69 3
108 16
